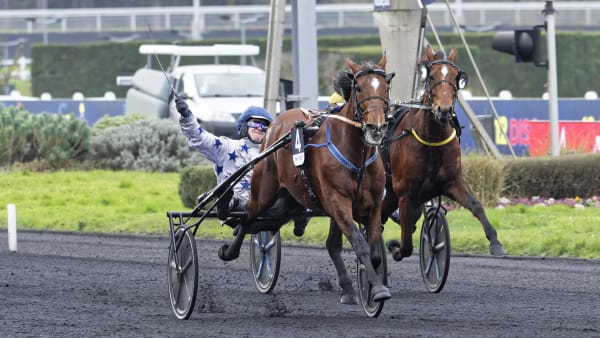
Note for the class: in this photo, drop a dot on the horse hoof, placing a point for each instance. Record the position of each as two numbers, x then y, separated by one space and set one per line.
393 246
497 250
380 293
349 299
225 255
397 256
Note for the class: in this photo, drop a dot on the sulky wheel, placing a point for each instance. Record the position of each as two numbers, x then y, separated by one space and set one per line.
265 258
183 273
372 308
434 249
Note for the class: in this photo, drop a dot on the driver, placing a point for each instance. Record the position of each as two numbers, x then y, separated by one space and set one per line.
229 155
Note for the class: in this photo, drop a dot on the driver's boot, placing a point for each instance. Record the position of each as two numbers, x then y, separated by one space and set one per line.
223 207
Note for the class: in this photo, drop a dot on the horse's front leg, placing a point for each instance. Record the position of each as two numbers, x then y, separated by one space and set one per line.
362 250
334 248
460 194
409 214
374 233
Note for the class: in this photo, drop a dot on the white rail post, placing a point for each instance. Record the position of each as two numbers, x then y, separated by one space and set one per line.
12 227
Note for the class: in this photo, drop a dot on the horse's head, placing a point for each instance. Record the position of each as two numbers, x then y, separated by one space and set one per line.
370 92
443 78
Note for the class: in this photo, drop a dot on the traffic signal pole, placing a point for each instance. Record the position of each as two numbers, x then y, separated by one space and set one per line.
552 77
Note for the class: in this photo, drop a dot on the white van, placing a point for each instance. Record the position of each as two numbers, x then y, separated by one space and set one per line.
216 93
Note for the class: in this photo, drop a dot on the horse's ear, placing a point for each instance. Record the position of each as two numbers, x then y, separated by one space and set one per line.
429 53
353 66
383 61
452 56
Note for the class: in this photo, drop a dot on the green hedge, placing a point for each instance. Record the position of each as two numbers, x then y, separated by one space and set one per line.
566 176
64 69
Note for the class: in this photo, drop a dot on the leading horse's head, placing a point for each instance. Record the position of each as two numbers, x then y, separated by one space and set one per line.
443 78
369 94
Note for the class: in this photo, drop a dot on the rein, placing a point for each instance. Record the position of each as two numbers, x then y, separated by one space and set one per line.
347 120
311 114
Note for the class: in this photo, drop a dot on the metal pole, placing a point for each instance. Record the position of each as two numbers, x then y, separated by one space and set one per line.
197 22
548 12
273 54
304 52
243 41
491 145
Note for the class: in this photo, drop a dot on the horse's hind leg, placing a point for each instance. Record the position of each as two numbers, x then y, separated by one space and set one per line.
334 247
460 194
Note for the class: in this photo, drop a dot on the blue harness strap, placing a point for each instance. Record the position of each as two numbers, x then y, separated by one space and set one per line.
338 155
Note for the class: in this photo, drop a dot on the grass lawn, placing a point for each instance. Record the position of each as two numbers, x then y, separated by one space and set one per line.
136 202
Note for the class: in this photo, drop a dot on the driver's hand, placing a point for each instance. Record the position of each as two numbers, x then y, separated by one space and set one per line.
182 107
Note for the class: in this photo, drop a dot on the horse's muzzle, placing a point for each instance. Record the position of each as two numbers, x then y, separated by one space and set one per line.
374 133
443 114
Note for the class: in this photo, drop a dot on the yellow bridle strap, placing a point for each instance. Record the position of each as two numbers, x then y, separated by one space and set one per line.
434 144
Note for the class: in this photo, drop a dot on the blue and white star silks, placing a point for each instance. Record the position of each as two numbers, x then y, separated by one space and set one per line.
227 154
232 156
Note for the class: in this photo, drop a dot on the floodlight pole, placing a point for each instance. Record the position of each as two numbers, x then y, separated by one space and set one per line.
549 12
273 55
197 22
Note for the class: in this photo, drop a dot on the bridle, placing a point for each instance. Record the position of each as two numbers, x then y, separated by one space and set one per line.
460 81
359 113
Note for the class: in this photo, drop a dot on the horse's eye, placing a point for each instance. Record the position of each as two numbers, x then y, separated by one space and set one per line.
358 89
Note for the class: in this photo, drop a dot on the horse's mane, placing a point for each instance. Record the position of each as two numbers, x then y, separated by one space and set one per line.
342 84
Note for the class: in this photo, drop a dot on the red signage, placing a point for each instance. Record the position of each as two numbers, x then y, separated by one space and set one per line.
576 136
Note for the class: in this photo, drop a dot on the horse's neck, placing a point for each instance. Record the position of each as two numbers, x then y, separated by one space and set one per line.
347 136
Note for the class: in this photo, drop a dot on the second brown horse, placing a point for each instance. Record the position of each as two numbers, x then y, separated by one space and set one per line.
425 155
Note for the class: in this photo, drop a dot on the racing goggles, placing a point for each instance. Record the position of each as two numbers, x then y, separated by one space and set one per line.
257 125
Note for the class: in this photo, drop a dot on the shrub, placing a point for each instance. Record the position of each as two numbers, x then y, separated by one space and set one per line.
50 138
60 138
194 181
114 121
15 136
148 145
485 177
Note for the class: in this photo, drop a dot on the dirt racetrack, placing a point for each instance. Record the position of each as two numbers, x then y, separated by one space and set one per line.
67 285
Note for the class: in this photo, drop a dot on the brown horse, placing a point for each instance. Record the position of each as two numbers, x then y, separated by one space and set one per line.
425 155
342 176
